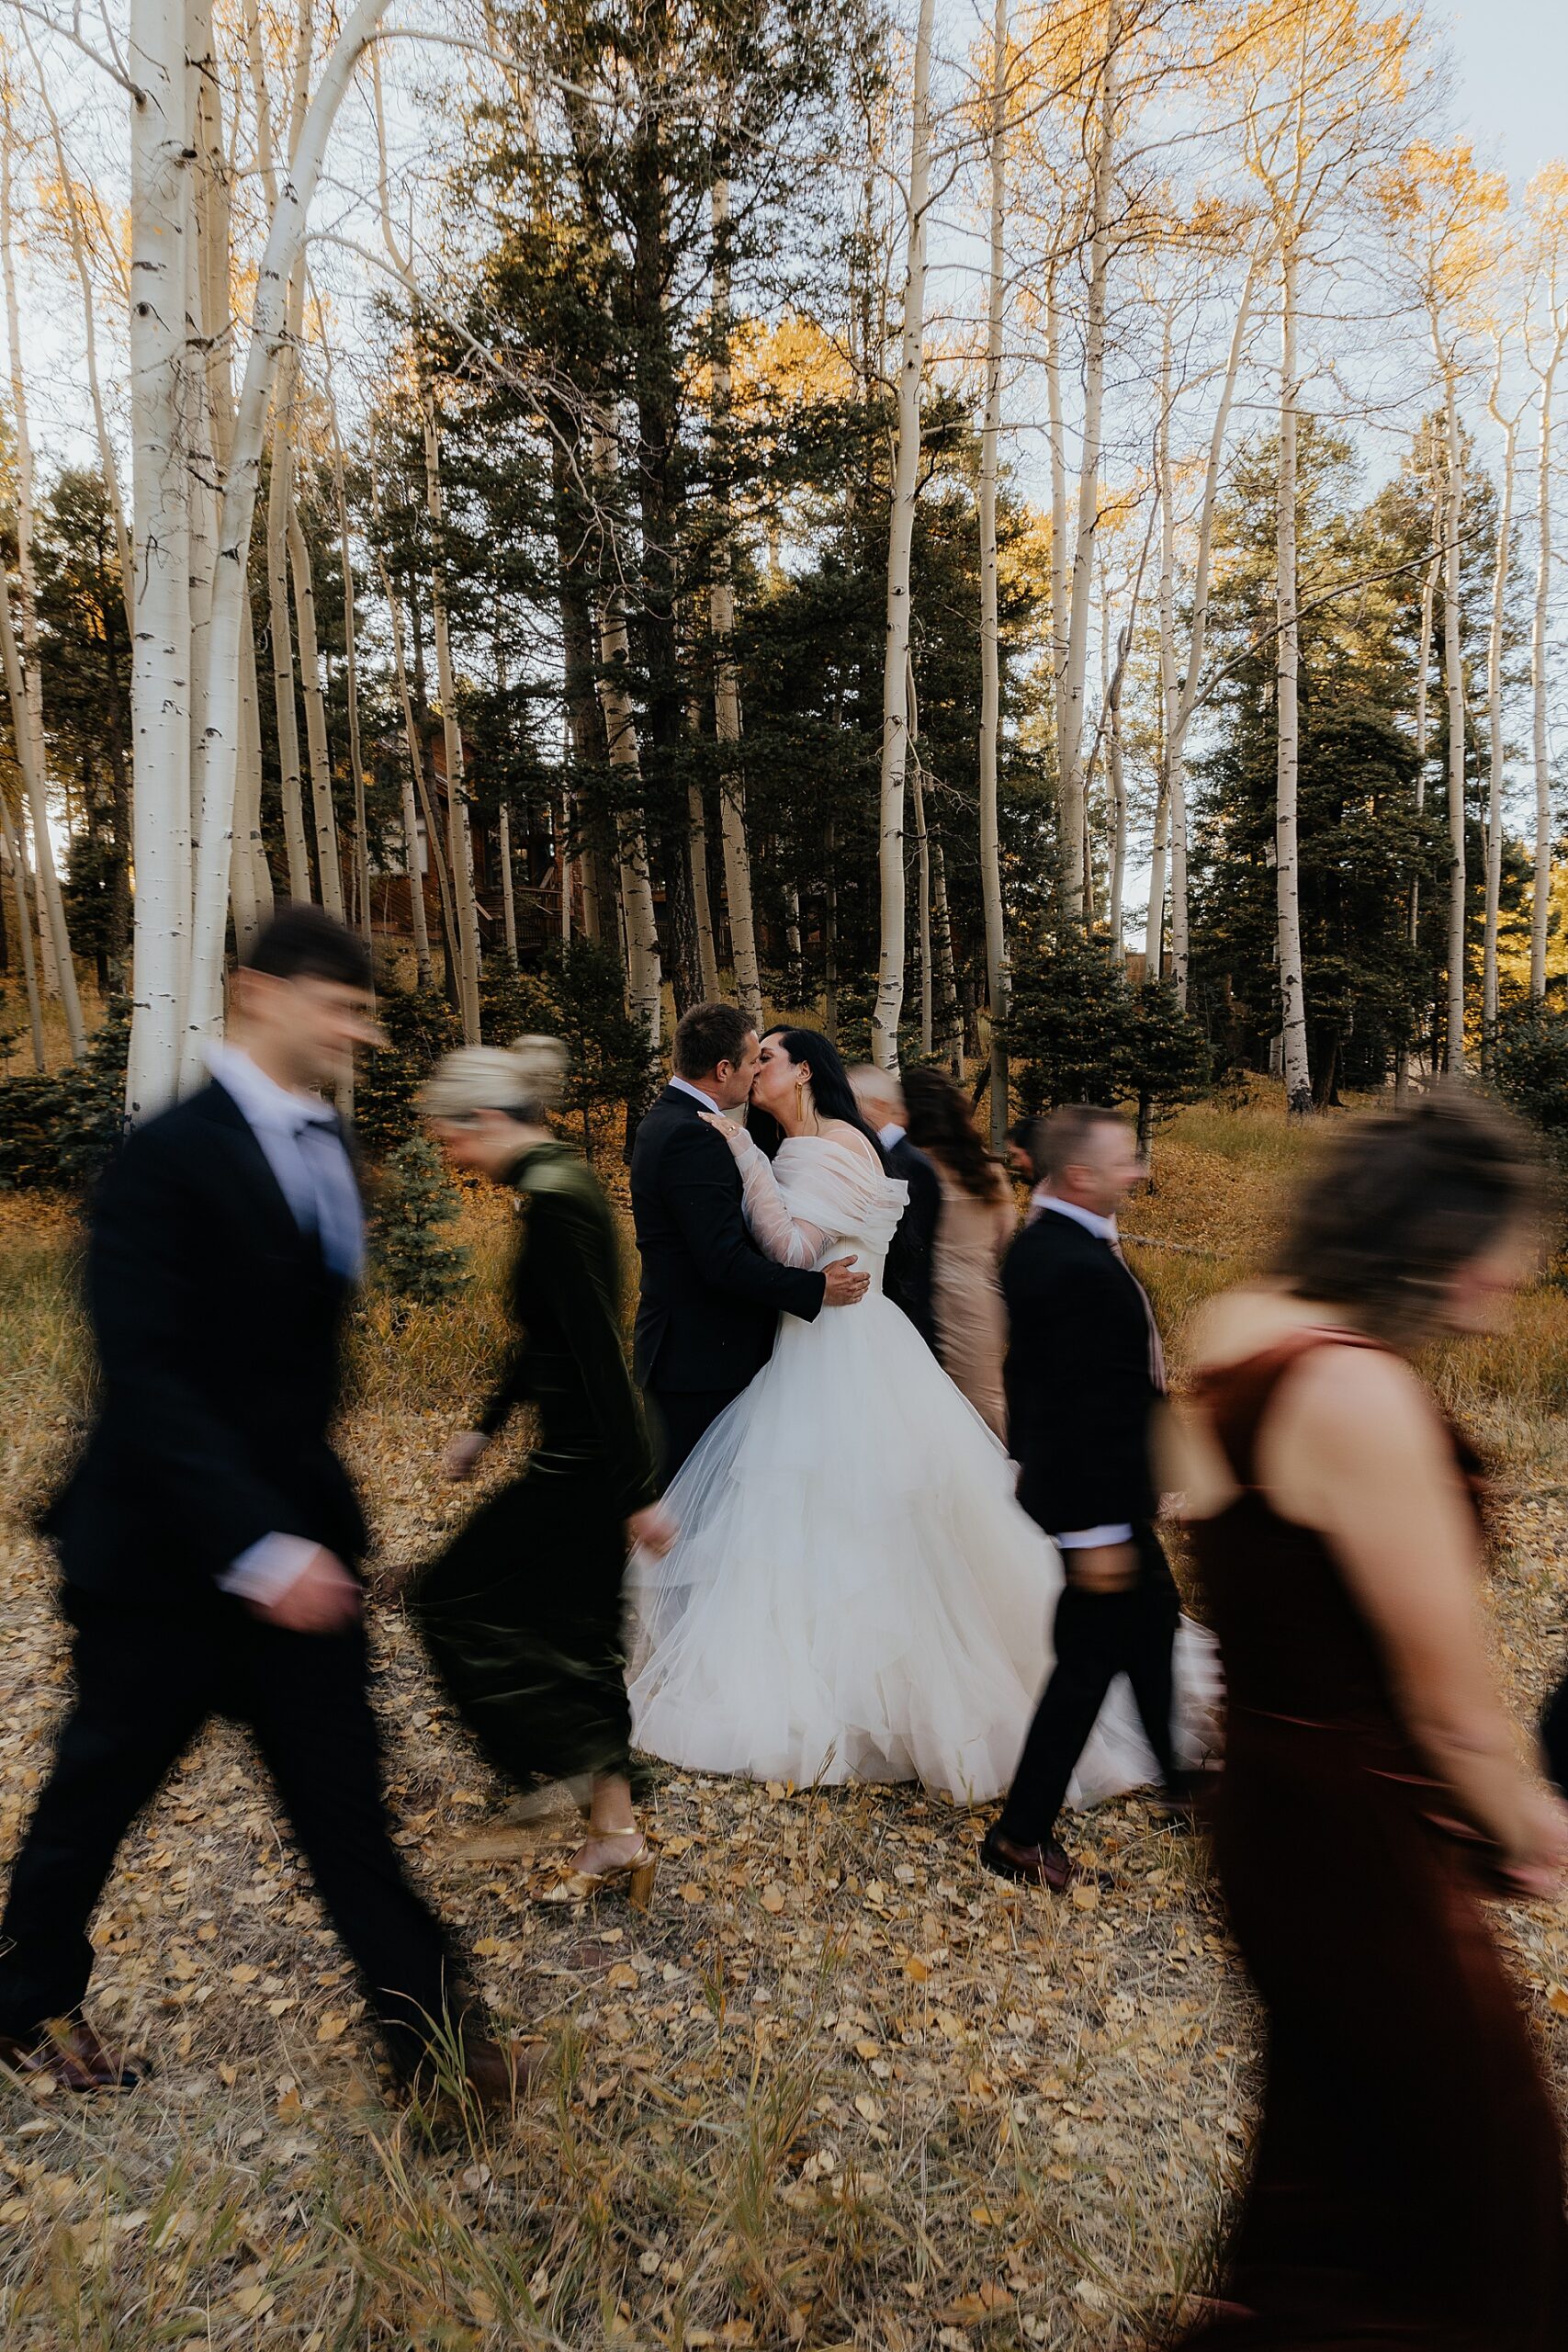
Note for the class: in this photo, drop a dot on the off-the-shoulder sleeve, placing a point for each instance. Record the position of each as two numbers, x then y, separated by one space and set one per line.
790 1240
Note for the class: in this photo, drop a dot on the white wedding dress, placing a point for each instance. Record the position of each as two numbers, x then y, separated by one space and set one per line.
854 1592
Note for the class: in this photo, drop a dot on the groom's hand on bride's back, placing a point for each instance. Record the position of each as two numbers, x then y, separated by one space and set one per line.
846 1285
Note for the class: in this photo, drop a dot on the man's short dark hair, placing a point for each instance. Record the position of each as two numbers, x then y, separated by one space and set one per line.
1062 1139
305 942
708 1034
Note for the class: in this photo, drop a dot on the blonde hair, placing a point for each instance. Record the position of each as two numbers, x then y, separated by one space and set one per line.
524 1079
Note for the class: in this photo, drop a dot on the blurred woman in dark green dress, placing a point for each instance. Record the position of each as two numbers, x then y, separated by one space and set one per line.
522 1612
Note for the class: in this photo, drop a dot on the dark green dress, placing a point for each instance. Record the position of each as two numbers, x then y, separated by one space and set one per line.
523 1612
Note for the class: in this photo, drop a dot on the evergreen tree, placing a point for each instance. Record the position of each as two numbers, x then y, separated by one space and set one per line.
416 1202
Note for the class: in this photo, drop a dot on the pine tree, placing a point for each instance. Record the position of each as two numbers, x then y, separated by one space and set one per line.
417 1203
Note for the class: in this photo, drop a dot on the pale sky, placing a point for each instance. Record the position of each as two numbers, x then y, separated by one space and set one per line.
1511 77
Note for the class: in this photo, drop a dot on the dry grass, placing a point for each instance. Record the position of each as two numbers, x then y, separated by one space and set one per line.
838 2087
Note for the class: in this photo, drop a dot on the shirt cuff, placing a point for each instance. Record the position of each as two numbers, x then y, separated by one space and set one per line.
266 1572
1084 1538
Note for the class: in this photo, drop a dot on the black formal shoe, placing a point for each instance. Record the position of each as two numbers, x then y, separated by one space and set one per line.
1048 1865
67 2051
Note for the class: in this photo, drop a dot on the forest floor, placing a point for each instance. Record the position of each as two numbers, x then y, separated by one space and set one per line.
838 2087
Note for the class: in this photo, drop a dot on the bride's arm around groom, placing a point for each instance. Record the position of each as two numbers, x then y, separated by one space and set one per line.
710 1300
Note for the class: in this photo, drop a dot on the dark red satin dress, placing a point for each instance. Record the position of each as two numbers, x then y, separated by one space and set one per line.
1406 2186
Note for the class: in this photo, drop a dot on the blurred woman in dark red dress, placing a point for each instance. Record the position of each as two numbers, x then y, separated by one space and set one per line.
1406 2184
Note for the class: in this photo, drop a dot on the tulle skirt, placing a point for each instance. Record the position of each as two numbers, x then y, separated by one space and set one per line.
854 1593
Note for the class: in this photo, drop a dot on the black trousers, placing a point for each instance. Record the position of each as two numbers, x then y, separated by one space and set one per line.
1098 1636
146 1681
679 1417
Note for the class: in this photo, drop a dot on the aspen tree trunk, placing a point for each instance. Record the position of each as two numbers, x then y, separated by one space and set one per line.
508 893
727 677
16 861
698 857
949 1016
1453 678
351 674
251 882
1058 525
1423 666
922 869
1495 750
213 784
328 869
794 968
644 979
1180 919
410 778
1116 781
1292 988
160 489
990 646
1169 703
1074 779
900 537
460 835
280 498
27 713
1539 681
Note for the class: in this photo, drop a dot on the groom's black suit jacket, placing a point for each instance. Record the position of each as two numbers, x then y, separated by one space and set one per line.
218 1326
1080 1386
710 1301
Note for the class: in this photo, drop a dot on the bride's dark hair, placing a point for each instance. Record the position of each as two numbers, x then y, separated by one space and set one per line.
830 1090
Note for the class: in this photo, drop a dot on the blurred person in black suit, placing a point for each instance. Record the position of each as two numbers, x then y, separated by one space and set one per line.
911 1260
710 1301
1084 1373
209 1539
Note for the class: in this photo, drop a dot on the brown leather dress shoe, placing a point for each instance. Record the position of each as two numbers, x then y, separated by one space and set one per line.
68 2051
501 2075
1048 1865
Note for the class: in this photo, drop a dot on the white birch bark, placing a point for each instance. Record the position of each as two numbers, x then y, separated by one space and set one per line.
160 690
329 868
990 647
644 978
922 870
16 861
214 784
1497 753
409 780
1540 665
1453 680
459 833
900 537
1292 987
1059 534
508 895
281 499
1074 684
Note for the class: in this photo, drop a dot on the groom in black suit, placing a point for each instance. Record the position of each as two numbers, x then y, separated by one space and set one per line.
1084 1373
209 1539
710 1301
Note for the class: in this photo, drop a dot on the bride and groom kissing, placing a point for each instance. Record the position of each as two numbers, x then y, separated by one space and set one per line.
854 1590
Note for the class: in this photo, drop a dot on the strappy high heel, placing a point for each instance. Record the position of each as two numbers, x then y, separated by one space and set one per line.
636 1873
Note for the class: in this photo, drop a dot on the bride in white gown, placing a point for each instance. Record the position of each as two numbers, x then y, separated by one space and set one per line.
854 1593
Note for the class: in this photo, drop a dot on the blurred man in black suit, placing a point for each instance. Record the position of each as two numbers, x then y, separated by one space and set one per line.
209 1539
906 1278
710 1301
1084 1373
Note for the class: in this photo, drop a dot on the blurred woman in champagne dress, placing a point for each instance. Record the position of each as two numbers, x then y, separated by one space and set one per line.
977 1223
1406 2184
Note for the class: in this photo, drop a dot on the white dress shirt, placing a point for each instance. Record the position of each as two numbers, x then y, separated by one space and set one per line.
316 1179
685 1086
890 1134
1082 1539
